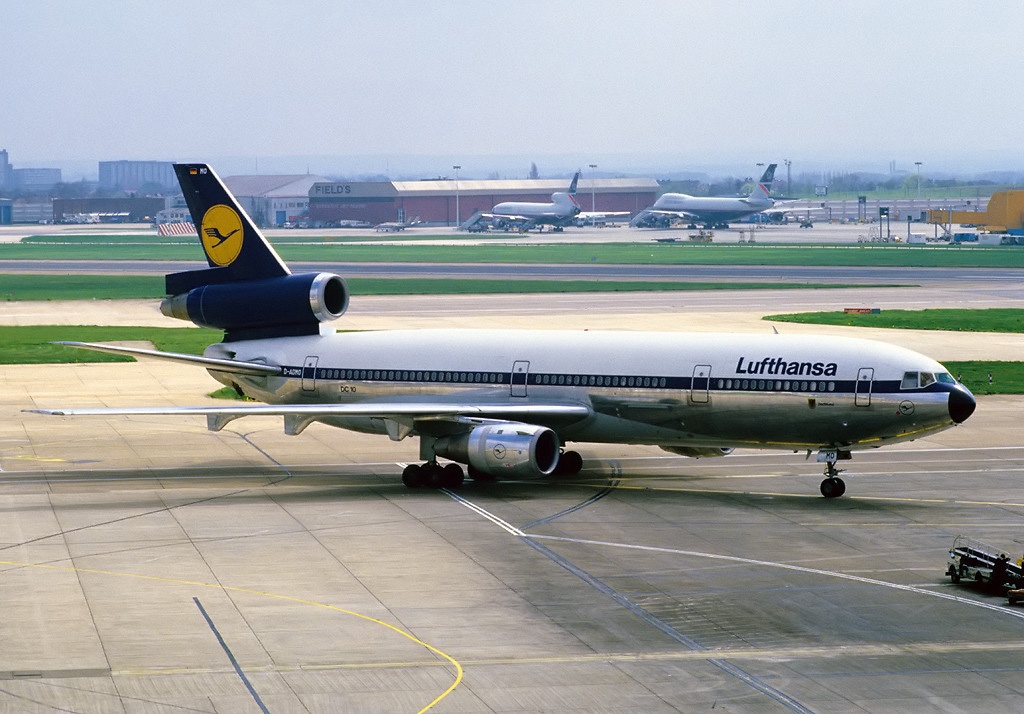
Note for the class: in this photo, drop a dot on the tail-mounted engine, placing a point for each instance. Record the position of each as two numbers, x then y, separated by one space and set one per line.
507 451
269 307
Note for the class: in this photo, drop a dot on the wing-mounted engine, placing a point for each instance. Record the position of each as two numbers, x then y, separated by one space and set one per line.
697 452
269 307
507 450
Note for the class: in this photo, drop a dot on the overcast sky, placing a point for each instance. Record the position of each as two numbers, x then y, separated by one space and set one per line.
627 85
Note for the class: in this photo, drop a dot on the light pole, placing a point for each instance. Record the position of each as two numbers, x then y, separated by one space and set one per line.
593 201
789 178
757 222
918 164
456 167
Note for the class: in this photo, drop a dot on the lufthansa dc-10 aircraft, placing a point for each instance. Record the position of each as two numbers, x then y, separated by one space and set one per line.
711 211
505 403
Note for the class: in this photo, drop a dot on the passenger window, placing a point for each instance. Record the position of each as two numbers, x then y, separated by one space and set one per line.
927 378
909 380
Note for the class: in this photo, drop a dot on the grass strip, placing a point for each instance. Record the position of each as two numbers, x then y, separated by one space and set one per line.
32 344
647 253
20 286
985 320
988 377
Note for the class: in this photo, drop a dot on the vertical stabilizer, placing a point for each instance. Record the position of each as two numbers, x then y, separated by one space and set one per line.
762 191
234 247
572 186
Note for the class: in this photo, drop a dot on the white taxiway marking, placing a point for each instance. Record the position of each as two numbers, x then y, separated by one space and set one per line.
509 528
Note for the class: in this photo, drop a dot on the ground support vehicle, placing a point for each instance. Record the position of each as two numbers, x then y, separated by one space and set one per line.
972 560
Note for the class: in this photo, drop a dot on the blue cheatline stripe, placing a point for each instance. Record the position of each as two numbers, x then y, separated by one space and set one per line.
231 657
746 383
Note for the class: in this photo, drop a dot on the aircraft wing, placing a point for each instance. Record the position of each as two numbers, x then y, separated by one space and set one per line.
384 410
640 218
220 365
399 417
602 214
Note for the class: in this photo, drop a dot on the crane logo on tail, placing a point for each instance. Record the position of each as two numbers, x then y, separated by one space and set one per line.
221 234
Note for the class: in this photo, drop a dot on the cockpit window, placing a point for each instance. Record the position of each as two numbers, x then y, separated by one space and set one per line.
909 380
946 378
927 378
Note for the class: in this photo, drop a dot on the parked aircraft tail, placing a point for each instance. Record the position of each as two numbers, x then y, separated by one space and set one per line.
572 186
247 291
762 192
763 189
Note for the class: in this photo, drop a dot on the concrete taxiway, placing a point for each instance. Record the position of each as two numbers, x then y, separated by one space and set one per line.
149 565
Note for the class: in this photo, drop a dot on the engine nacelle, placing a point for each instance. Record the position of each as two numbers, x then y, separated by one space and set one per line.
290 304
507 451
697 452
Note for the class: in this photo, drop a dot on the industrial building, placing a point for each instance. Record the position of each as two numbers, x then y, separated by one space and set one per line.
30 180
133 175
450 201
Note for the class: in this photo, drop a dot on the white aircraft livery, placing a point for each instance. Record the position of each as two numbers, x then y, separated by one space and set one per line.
505 403
559 213
712 211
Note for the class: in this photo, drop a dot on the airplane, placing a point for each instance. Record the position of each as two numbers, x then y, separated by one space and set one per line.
506 403
395 226
712 211
526 215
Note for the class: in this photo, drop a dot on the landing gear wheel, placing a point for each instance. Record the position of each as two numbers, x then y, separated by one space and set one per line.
412 476
833 487
433 475
570 463
451 476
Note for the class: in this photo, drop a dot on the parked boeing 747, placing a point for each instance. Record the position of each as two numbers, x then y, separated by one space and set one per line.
711 211
505 403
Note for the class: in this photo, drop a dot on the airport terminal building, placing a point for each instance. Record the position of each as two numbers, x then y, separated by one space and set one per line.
447 201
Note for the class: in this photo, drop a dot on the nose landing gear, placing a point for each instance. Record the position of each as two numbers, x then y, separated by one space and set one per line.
832 486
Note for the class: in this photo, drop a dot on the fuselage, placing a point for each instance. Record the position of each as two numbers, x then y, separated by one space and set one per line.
711 208
562 209
669 389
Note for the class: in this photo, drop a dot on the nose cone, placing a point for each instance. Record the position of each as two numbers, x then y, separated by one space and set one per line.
961 404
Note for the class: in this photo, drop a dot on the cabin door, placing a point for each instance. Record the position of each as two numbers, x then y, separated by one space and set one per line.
309 374
520 373
700 383
865 378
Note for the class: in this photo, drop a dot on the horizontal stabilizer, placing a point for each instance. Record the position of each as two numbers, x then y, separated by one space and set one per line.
220 365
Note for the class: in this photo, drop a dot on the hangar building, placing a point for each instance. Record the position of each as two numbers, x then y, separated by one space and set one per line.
273 200
434 201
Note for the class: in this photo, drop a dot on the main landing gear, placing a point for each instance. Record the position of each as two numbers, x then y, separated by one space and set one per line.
832 486
432 475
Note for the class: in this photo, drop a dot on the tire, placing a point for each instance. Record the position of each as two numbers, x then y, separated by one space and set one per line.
451 476
412 476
